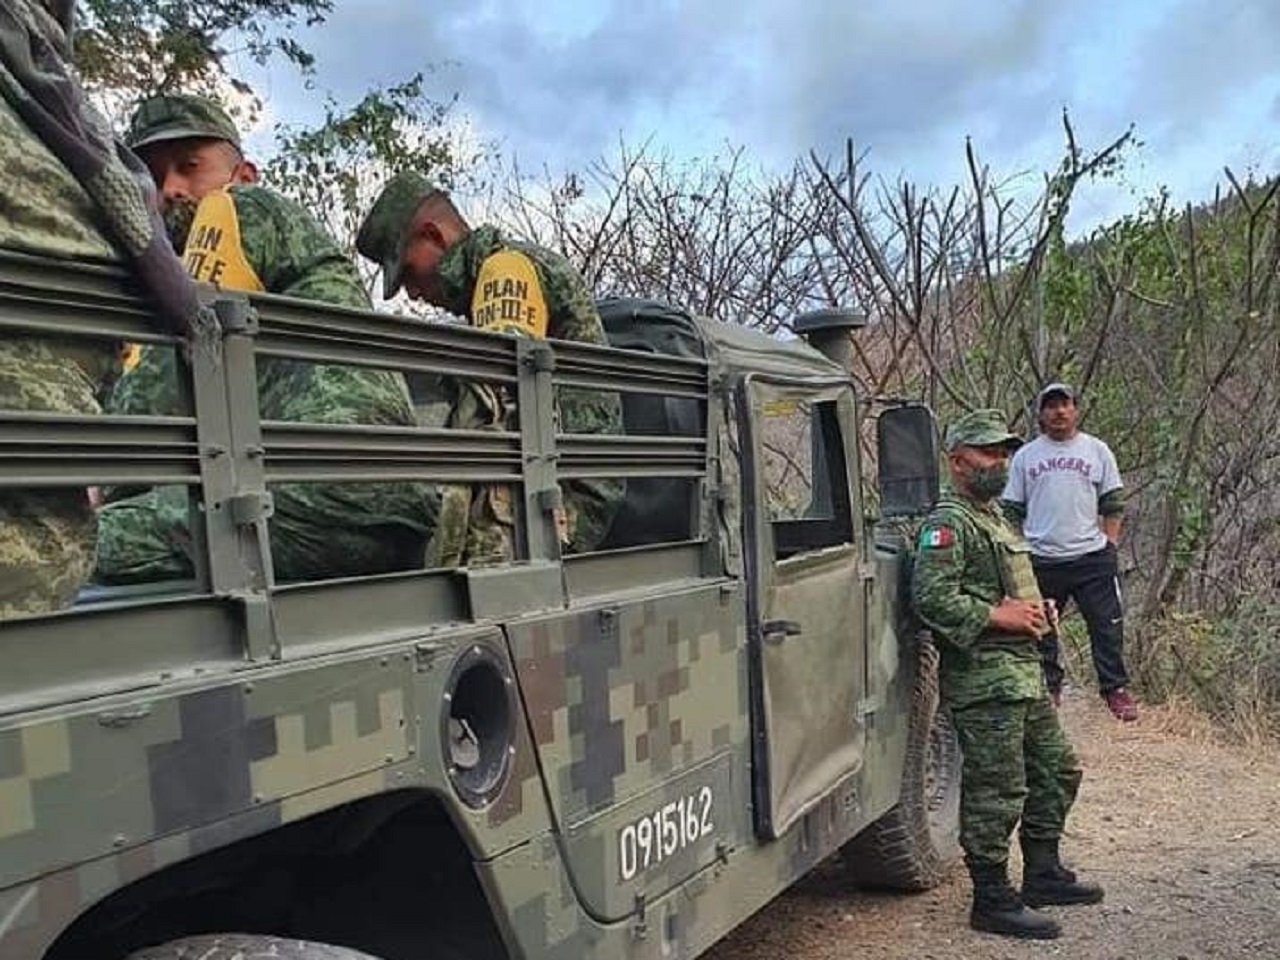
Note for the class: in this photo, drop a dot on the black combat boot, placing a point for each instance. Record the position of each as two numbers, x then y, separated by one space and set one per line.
997 908
1046 882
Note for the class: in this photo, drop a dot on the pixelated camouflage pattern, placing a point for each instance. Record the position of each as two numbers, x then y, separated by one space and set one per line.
46 537
1017 767
293 256
981 559
625 706
46 210
319 530
617 704
980 428
589 504
384 226
39 83
170 775
47 540
476 527
622 747
1017 764
179 116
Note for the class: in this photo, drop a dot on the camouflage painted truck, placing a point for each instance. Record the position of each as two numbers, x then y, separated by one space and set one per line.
617 754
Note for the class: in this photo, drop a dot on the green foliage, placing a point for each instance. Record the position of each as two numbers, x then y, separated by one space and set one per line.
130 49
336 168
1228 666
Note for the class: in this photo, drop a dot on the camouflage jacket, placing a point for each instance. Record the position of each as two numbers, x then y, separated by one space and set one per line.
48 212
968 557
572 311
571 315
293 256
319 529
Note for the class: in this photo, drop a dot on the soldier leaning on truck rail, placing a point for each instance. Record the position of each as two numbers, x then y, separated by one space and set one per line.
245 237
69 192
974 587
421 241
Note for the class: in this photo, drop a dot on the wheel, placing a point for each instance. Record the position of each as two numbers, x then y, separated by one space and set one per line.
245 946
913 844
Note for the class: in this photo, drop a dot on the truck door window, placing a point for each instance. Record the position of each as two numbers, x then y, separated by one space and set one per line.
806 493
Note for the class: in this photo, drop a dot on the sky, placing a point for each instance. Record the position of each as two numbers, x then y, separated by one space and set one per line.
558 83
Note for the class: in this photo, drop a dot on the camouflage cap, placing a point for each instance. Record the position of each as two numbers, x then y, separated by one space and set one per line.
382 234
980 428
1053 389
179 116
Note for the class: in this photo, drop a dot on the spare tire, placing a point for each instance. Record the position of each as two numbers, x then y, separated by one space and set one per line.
913 845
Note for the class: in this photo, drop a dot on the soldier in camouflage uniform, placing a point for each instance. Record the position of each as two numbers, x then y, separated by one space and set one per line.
418 237
66 192
974 587
247 237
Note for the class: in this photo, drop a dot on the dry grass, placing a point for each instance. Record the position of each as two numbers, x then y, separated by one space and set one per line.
1202 679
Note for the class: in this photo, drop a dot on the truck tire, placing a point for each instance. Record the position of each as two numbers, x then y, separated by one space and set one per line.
911 847
245 946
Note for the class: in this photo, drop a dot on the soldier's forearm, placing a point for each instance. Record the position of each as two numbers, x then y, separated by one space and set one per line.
961 621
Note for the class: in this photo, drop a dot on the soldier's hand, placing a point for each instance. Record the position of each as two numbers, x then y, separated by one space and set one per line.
1019 616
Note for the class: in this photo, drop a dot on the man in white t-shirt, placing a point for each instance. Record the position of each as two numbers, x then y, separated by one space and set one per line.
1065 490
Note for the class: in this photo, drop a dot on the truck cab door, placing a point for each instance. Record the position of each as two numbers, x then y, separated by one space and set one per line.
807 595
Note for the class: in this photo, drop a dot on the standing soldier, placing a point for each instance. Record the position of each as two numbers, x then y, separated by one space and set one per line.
974 587
67 192
421 241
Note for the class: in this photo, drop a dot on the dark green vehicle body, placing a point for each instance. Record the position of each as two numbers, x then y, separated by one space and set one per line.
617 754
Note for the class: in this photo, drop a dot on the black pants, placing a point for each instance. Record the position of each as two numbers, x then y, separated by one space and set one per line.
1093 582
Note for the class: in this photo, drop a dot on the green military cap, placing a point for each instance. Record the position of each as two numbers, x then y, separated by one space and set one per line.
980 428
382 234
179 116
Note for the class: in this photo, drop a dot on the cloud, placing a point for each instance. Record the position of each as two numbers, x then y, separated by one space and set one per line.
558 81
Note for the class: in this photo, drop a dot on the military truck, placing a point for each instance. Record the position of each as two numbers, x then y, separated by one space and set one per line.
619 754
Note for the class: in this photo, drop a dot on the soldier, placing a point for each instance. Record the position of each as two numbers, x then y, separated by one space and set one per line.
421 241
974 587
68 192
246 237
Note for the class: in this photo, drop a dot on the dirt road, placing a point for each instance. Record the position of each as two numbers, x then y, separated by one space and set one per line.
1183 832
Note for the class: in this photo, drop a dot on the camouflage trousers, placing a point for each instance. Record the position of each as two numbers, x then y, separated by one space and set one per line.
46 549
47 535
1018 765
318 532
476 527
477 524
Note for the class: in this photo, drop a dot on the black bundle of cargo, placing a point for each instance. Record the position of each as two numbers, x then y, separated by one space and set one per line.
656 509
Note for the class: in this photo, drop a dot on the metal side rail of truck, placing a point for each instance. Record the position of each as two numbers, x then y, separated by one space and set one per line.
616 754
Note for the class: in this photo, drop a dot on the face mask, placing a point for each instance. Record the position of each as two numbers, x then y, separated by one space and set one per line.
986 483
178 215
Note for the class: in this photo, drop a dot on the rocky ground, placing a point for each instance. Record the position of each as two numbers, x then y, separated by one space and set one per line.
1183 831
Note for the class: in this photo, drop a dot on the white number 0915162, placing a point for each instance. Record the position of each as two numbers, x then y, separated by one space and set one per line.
646 842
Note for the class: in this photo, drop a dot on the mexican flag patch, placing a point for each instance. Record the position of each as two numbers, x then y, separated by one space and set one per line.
931 537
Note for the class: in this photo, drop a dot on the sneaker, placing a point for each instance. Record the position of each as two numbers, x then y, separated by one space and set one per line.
1121 704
